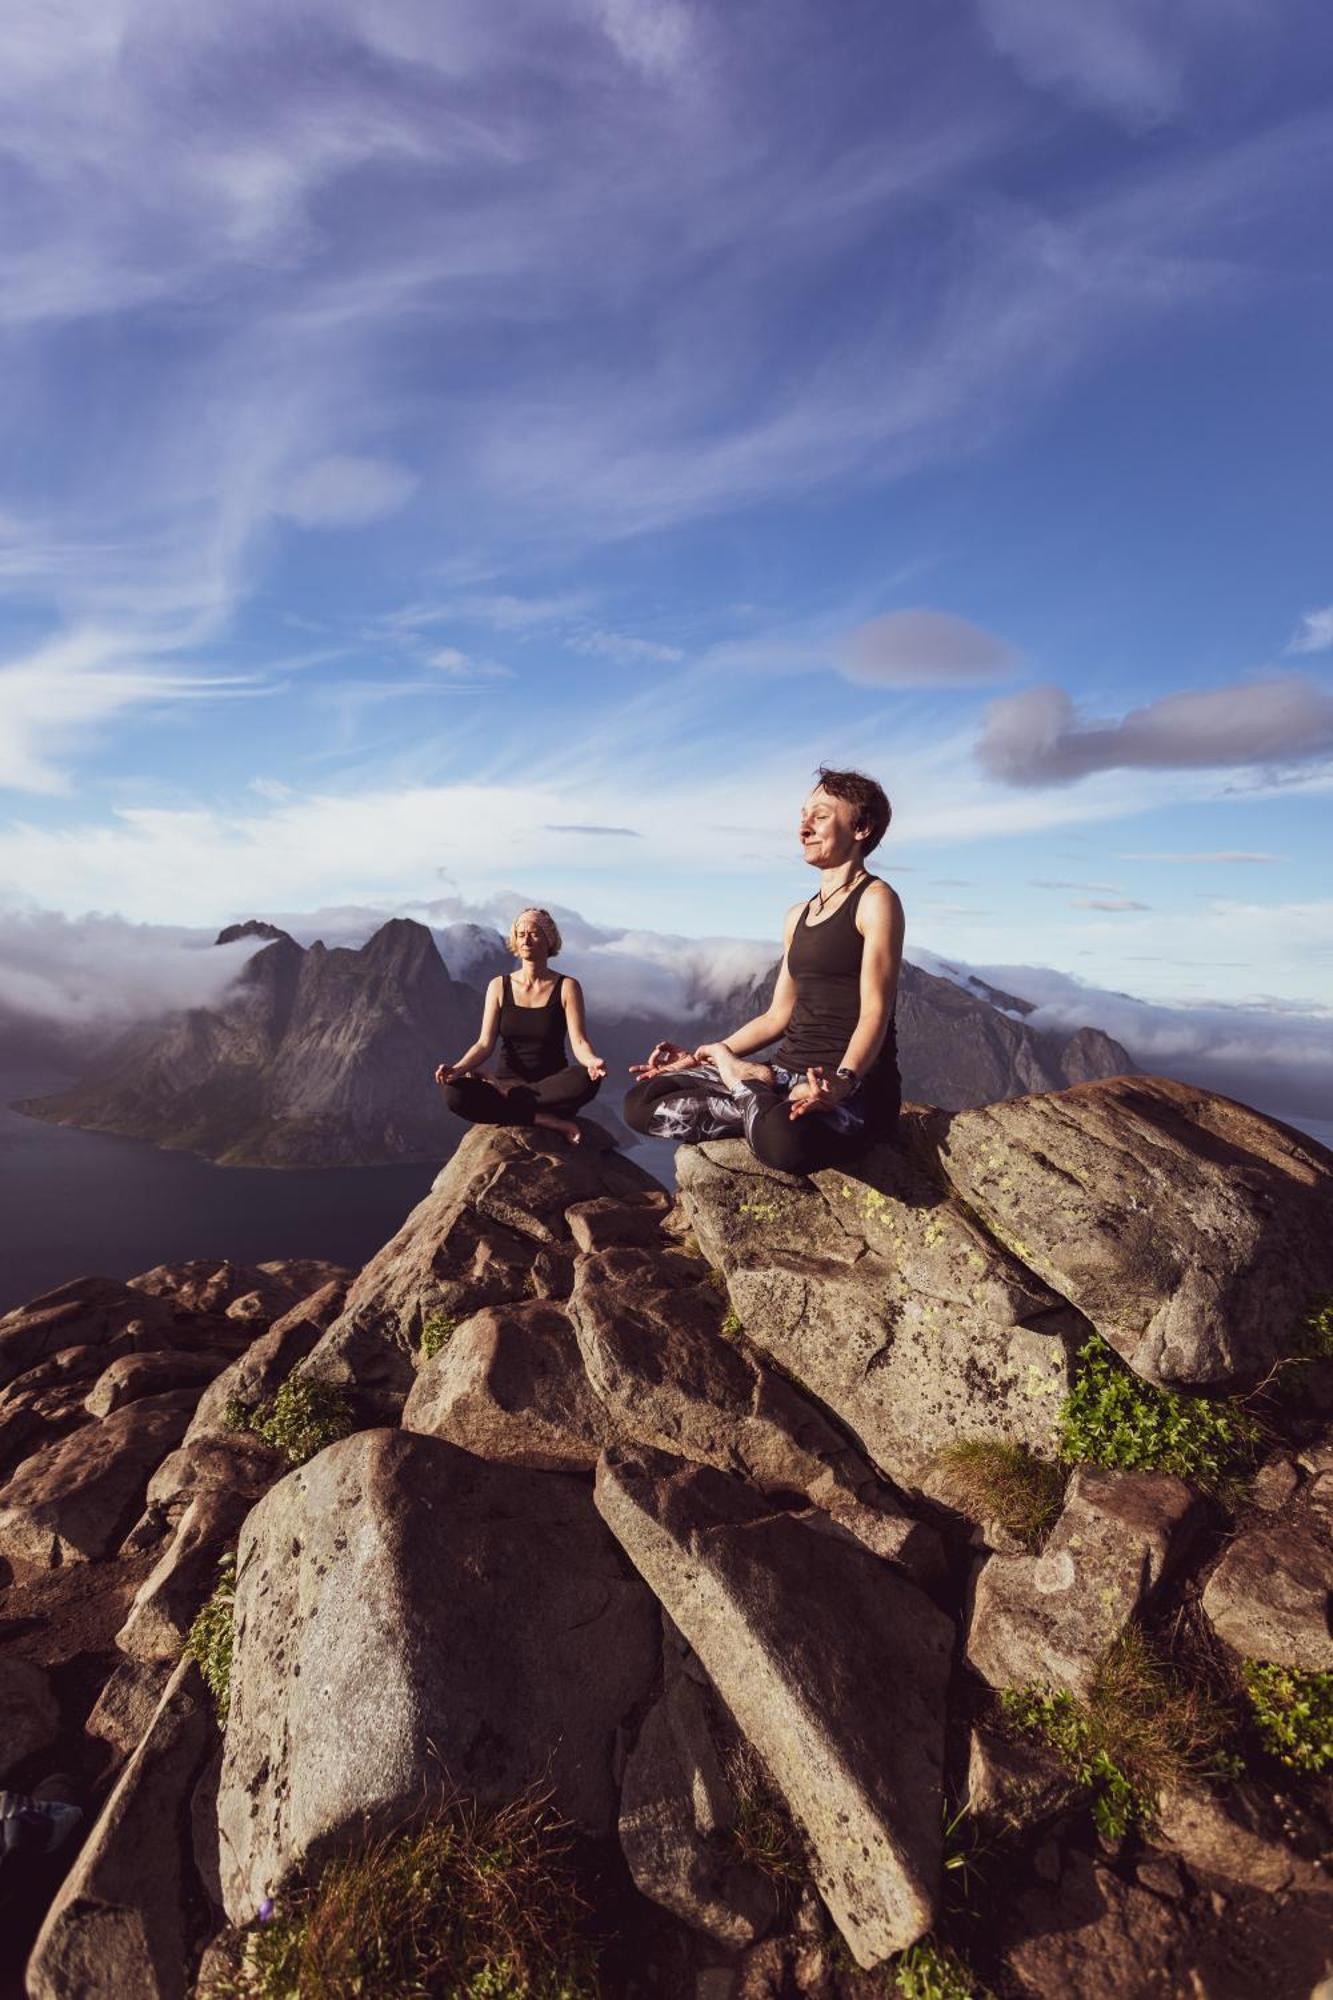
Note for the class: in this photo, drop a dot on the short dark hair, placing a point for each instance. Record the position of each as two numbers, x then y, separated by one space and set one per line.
872 806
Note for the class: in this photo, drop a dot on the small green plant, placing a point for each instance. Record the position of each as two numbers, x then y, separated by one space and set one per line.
731 1327
1007 1483
210 1638
437 1330
1139 1727
931 1971
1311 1342
764 1833
1110 1417
300 1420
478 1906
1293 1712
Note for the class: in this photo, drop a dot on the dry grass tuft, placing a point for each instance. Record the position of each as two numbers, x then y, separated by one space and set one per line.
481 1905
998 1481
765 1835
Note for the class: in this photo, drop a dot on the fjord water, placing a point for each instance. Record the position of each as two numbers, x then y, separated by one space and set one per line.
74 1204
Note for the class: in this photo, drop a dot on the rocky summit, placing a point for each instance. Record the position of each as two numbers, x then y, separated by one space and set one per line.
905 1581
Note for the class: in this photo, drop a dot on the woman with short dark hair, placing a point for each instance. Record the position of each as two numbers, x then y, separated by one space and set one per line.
528 1013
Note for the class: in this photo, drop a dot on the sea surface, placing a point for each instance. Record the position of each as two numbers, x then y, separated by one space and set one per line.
76 1204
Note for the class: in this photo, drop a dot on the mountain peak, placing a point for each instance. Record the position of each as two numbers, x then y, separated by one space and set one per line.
402 942
252 927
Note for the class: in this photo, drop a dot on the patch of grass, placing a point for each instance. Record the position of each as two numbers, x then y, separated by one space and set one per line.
1139 1727
210 1638
437 1330
764 1835
302 1418
931 1971
1007 1483
481 1905
1110 1417
1293 1712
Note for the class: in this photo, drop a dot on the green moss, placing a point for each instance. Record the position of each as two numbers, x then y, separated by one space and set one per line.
731 1327
762 1211
1293 1712
1004 1482
437 1330
1110 1417
1139 1727
481 1906
210 1639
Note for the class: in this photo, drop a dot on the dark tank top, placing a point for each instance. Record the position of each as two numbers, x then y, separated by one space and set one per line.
532 1039
824 959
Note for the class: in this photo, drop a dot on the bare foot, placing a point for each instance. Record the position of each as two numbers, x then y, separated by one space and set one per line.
734 1069
565 1126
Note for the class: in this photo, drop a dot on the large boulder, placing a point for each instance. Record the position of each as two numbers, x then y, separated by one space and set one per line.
492 1231
649 1326
510 1384
131 1376
1190 1230
410 1622
1053 1618
1271 1595
884 1298
832 1664
121 1925
74 1501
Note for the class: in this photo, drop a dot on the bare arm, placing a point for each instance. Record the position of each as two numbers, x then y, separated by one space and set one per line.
485 1042
879 918
571 997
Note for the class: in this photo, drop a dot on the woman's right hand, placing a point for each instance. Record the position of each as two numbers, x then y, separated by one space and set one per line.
446 1073
667 1055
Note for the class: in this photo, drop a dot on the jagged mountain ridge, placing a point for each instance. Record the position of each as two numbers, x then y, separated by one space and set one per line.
323 1056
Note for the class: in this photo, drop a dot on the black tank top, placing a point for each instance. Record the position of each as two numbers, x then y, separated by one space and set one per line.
824 959
532 1039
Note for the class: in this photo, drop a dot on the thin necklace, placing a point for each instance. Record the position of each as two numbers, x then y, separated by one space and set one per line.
822 898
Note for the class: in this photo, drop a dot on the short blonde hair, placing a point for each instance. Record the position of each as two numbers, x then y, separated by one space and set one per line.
549 926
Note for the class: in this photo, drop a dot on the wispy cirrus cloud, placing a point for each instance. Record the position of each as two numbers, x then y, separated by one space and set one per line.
1314 634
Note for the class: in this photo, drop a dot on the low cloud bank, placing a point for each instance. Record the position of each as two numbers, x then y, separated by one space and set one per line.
99 971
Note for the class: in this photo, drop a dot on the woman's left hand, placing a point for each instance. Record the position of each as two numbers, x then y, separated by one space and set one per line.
820 1092
596 1069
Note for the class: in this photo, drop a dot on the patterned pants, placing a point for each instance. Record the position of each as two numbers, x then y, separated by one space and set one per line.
689 1105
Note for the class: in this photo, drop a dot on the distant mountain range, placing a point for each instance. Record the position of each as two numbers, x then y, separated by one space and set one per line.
324 1057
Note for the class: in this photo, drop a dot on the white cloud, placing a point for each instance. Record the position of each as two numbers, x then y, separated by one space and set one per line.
624 647
1211 858
1128 57
1107 903
347 492
923 649
1314 634
102 971
449 660
1038 738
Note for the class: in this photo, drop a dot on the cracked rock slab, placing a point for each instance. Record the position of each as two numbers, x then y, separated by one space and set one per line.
830 1662
1191 1231
412 1621
1053 1618
1271 1595
883 1298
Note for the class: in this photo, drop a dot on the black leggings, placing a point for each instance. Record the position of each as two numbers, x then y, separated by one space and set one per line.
477 1099
690 1105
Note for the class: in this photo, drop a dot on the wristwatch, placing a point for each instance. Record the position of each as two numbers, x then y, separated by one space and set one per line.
848 1075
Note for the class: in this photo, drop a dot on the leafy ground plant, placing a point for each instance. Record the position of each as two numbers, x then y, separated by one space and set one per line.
1110 1417
1139 1727
999 1481
437 1330
479 1905
931 1971
302 1418
210 1637
1293 1713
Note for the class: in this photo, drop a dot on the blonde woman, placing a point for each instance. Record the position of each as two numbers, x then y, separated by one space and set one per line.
528 1012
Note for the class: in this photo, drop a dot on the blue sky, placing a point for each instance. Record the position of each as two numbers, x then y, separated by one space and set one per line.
454 448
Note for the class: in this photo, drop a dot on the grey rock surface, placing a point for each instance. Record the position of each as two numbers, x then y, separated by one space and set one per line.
793 1628
120 1926
166 1603
503 1635
883 1298
256 1376
510 1385
1271 1595
132 1376
74 1500
1190 1230
29 1712
1053 1618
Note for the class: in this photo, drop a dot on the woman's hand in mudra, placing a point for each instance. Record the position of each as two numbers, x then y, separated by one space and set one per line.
820 1092
596 1069
446 1073
667 1055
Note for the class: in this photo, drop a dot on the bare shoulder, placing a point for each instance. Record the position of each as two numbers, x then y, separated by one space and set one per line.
790 921
880 906
569 987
